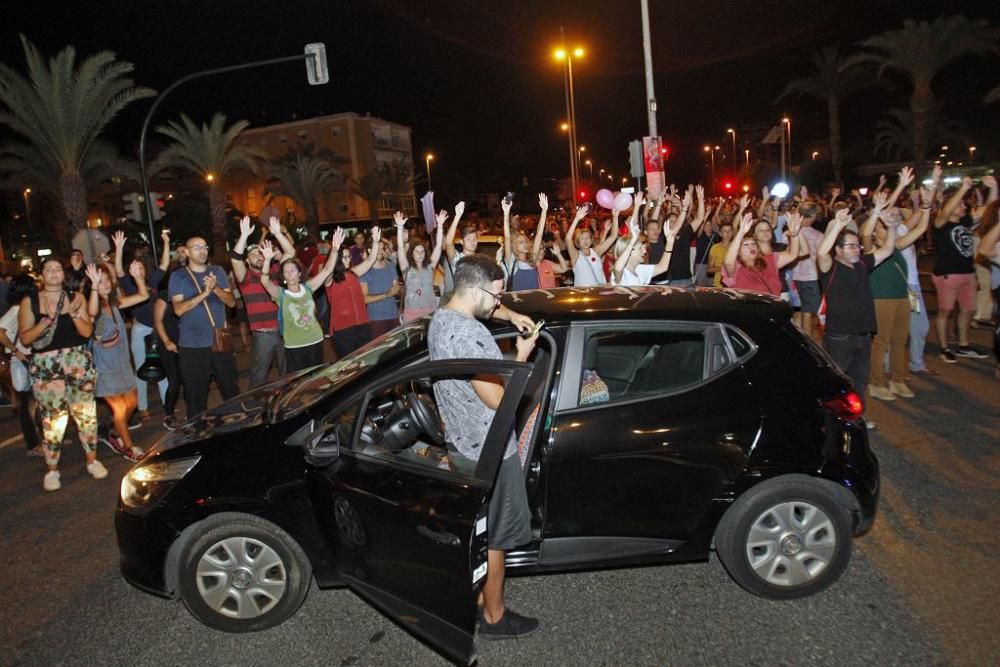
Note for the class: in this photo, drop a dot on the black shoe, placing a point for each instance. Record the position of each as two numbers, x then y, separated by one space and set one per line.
947 356
511 625
170 422
969 352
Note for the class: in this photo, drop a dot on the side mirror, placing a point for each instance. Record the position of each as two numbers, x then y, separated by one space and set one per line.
320 444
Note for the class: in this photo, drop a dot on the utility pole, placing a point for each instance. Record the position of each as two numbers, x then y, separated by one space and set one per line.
648 60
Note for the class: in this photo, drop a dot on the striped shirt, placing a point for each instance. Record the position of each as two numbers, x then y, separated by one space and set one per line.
262 312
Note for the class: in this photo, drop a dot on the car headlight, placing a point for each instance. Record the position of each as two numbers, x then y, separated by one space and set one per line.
143 485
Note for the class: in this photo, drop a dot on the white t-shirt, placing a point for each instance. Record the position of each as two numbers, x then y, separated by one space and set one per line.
805 269
588 270
910 255
643 276
9 324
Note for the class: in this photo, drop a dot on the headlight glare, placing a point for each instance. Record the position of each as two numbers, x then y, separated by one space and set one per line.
146 483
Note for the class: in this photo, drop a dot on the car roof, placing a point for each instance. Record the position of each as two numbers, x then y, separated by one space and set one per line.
571 304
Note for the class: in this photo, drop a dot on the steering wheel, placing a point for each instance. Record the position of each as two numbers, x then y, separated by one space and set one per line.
424 414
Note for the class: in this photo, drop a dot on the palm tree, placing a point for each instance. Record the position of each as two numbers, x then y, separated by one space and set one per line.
919 51
370 187
832 79
306 177
60 109
22 165
894 136
399 181
212 151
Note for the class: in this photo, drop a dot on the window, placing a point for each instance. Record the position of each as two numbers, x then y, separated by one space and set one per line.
343 208
624 364
335 131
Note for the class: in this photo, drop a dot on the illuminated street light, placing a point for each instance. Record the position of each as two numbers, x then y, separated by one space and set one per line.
732 131
815 154
564 127
972 153
427 162
562 54
27 207
711 151
591 165
210 177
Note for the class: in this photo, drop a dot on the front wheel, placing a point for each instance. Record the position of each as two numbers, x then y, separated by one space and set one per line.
240 573
785 539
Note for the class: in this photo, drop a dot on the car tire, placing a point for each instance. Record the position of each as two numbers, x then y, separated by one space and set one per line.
786 538
240 573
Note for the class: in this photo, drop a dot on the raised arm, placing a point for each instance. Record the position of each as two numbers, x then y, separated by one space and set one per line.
793 223
885 252
733 251
508 242
823 259
93 299
581 213
668 250
265 273
336 241
699 217
952 204
399 220
164 249
867 231
287 249
536 248
438 240
990 182
138 273
118 238
610 239
622 261
236 256
449 238
919 220
363 268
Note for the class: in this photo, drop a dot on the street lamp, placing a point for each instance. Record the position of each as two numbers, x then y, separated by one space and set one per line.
210 177
624 181
746 151
732 131
566 55
815 155
591 165
427 163
787 122
579 159
711 151
27 207
972 153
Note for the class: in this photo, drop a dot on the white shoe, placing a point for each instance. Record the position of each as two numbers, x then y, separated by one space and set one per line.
51 481
97 470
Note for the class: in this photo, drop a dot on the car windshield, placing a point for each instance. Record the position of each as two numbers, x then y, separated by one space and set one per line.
318 385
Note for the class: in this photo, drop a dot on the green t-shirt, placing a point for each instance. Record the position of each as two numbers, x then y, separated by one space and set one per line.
299 327
888 279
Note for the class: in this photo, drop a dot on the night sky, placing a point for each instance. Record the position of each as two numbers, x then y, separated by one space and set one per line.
475 78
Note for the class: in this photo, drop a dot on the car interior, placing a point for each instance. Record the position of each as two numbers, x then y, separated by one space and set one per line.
635 364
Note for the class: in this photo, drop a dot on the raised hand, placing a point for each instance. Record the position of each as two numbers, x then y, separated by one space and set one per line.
267 249
746 224
246 227
966 182
459 209
700 191
793 222
989 181
745 200
398 219
581 213
119 240
337 240
137 271
880 201
688 196
765 192
638 200
376 235
506 205
881 181
842 217
274 225
94 275
905 176
543 201
165 237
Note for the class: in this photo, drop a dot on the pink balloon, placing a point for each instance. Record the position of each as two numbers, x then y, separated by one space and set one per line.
623 201
605 198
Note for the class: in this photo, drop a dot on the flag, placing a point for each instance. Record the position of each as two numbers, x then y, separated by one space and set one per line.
427 206
773 136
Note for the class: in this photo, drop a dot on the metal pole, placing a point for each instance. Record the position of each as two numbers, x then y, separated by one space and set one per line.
572 125
712 154
648 60
162 96
782 153
27 210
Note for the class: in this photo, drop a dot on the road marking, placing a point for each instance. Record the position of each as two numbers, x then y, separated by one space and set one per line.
10 441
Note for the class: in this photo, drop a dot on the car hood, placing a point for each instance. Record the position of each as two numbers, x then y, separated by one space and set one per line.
249 409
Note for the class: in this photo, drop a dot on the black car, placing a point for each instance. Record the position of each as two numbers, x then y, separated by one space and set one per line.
654 425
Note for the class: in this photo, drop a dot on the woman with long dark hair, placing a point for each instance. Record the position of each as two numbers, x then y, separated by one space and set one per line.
57 327
417 270
115 376
348 313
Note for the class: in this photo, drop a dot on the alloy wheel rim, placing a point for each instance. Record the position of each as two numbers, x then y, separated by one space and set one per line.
241 577
791 544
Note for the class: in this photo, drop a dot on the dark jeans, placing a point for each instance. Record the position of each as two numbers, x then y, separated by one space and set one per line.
299 358
171 366
347 340
853 354
197 364
267 348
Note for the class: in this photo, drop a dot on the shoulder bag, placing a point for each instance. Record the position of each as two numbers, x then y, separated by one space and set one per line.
221 341
45 339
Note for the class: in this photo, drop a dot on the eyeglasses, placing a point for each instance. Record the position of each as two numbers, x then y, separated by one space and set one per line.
200 246
850 245
496 297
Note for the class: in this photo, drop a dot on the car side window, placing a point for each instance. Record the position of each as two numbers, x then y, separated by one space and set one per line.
621 365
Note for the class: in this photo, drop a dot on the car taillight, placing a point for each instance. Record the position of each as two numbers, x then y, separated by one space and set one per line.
847 405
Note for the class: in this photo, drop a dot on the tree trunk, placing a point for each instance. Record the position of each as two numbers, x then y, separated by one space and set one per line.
312 219
835 157
73 194
922 106
217 205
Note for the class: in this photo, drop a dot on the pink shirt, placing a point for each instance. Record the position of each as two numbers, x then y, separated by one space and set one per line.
766 281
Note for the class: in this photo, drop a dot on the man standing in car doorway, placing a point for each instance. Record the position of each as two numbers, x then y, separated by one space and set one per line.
467 409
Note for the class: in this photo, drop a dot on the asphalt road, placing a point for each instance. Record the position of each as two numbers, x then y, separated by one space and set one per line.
922 588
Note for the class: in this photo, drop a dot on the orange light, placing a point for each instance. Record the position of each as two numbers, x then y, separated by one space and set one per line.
209 177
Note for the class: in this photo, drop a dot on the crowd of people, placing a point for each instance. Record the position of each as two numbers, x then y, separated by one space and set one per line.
847 263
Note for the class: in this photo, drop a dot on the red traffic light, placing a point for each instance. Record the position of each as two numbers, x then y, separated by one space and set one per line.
727 185
583 195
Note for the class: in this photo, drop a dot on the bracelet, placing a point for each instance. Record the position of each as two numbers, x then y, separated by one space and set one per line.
926 208
238 256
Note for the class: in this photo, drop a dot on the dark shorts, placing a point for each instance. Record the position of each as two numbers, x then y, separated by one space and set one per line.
809 295
509 519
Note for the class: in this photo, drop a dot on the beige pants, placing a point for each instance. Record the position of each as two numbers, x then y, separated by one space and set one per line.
893 316
984 298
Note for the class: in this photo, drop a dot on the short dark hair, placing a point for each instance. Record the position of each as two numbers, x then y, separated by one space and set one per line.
842 237
20 286
476 271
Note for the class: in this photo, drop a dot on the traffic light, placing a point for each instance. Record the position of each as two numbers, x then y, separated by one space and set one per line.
582 195
665 152
727 185
158 202
635 164
133 206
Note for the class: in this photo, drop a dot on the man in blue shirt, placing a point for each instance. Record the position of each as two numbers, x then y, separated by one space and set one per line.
200 294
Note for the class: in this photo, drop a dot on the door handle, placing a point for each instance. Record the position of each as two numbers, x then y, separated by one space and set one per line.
443 537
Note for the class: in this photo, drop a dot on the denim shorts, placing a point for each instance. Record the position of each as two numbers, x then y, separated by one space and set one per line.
809 295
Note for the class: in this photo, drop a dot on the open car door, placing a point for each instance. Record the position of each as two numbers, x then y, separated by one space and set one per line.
407 526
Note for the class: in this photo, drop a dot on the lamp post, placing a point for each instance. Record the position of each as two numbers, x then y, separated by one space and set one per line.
711 152
815 155
732 131
591 165
27 207
427 163
566 55
579 161
787 123
972 154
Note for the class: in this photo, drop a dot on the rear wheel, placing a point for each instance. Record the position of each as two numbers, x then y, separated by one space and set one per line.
240 573
784 539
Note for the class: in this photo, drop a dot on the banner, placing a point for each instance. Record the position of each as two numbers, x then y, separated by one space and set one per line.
427 206
652 159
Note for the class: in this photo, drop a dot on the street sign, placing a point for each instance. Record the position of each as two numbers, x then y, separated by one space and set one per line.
316 69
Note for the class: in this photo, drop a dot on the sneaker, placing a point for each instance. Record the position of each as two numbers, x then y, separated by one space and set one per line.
143 414
117 445
947 356
134 422
135 454
51 481
901 389
881 393
97 470
170 422
925 371
969 352
510 626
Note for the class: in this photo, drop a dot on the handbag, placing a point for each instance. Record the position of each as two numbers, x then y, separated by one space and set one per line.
45 339
910 294
221 340
19 375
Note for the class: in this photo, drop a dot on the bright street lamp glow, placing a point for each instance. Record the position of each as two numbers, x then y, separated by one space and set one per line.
564 127
210 177
27 191
559 54
578 52
430 156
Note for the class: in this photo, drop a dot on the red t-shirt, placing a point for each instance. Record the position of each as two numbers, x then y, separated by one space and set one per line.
766 281
347 303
